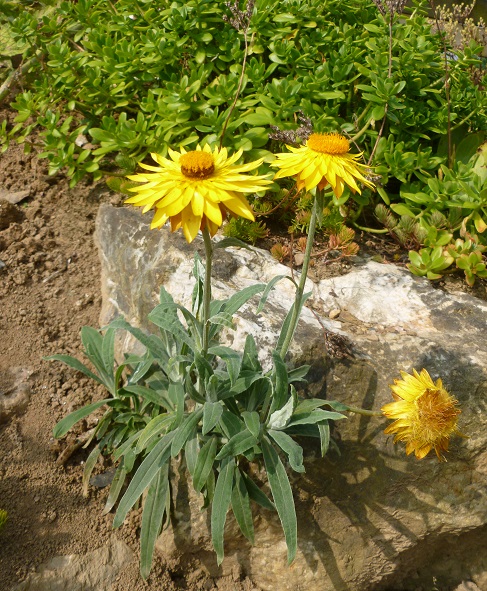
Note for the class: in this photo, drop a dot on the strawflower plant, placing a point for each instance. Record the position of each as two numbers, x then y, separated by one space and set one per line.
190 396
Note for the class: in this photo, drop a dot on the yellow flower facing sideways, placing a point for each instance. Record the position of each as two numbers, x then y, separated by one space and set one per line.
323 160
425 414
196 189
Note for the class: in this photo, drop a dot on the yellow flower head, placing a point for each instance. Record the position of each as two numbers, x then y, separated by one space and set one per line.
323 160
425 414
196 189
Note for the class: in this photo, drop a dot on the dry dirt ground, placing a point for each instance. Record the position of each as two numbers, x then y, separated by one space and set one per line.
49 289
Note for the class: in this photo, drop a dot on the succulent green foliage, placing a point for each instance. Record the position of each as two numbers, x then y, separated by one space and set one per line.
126 79
468 258
218 408
136 78
447 216
245 230
429 262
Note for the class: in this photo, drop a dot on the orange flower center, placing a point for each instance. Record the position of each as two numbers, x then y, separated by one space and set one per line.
328 143
437 414
197 164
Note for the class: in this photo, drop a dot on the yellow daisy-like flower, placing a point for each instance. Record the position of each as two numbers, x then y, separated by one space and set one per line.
323 160
196 189
425 414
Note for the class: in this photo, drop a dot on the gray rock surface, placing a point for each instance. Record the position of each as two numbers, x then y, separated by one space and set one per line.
371 517
95 571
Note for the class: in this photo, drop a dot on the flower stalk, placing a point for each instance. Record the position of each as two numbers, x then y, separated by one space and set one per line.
207 288
362 411
298 300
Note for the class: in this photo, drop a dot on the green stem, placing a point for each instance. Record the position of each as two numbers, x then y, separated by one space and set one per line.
362 411
207 288
371 230
362 115
464 120
302 281
361 132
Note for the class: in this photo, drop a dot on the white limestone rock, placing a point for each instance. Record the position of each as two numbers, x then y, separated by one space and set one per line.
370 518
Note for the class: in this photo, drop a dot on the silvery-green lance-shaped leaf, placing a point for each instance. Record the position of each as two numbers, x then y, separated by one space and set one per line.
250 359
230 424
220 505
232 359
115 488
280 381
212 411
159 425
268 289
252 422
241 507
238 444
316 416
324 429
155 505
184 431
289 447
199 275
66 423
144 475
279 419
192 450
204 463
78 366
283 497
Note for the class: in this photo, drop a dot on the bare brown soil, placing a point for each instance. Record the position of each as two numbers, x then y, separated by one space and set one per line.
49 289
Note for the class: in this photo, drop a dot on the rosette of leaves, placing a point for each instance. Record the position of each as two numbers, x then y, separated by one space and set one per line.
218 408
429 262
468 257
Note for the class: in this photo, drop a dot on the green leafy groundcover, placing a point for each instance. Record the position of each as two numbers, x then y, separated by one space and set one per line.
136 76
122 79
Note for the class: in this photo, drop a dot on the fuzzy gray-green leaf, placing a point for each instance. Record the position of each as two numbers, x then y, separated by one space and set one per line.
283 497
220 505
